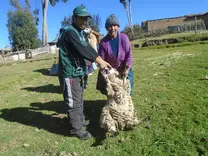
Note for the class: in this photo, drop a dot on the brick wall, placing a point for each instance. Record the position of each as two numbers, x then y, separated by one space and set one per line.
164 23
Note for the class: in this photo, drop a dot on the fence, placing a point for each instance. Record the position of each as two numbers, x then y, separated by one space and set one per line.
23 55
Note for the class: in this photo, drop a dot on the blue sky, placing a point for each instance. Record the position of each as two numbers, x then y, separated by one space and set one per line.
141 10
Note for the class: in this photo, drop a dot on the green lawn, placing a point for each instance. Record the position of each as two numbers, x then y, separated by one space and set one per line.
170 93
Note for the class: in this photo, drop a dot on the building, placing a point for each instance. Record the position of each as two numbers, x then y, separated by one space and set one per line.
5 50
164 23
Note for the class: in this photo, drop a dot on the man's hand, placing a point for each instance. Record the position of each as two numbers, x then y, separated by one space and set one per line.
103 64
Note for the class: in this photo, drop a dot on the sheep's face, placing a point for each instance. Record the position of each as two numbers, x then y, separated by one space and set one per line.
87 31
110 75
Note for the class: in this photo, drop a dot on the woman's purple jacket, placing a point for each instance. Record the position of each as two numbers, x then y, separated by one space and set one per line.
124 56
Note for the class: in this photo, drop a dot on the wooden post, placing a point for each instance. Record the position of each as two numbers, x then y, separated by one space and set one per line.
3 57
195 25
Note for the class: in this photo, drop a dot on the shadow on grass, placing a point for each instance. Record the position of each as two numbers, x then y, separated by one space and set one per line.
50 88
33 116
43 71
92 111
57 121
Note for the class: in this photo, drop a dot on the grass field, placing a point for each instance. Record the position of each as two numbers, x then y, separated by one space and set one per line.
170 93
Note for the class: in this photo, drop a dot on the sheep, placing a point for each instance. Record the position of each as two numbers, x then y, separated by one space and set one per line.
118 113
93 37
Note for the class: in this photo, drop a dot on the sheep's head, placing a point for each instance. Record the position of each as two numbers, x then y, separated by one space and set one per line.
110 74
87 31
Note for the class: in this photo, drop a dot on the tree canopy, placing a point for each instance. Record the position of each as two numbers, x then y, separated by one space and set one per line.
94 23
67 21
23 33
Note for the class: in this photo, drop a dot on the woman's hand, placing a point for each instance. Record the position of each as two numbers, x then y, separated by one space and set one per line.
125 71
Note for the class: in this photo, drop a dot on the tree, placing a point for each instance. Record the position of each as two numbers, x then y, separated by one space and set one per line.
21 27
67 21
127 6
94 22
130 13
45 25
15 4
137 31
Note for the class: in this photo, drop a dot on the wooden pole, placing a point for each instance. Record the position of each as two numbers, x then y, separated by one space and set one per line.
195 25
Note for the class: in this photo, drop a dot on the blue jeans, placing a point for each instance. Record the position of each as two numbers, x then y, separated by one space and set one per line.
130 77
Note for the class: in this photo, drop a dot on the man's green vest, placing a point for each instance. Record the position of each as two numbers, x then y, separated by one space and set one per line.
68 65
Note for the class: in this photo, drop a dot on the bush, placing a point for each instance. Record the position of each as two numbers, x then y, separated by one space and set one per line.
28 54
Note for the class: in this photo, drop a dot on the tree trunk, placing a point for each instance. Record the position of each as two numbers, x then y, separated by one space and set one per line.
127 13
45 26
130 18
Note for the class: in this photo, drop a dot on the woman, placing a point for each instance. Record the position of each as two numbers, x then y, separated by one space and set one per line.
115 48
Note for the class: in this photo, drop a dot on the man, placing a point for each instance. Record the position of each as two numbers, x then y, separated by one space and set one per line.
73 50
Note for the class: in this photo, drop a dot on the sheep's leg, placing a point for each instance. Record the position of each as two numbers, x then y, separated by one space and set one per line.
107 122
126 119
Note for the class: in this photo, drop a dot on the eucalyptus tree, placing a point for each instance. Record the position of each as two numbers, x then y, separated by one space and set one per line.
94 23
66 22
127 6
45 25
